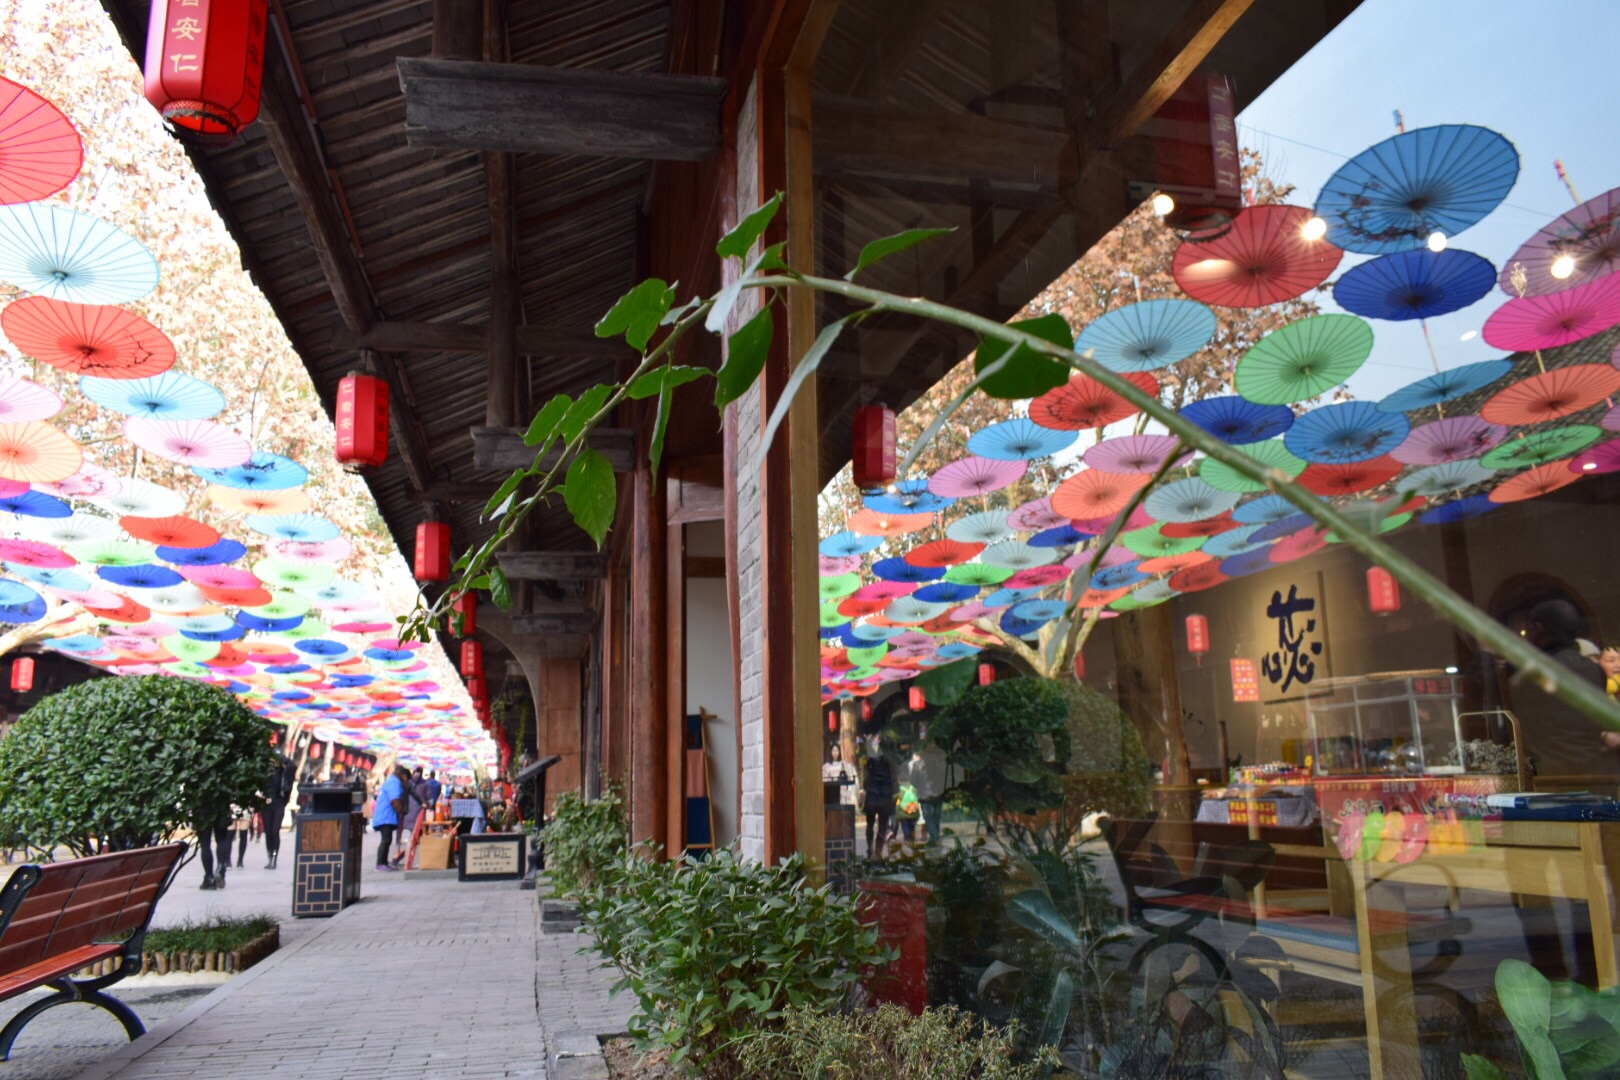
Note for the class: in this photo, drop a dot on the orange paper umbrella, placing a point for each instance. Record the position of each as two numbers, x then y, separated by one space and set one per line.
87 339
36 452
127 612
1205 575
1552 395
1093 493
1330 480
1171 563
941 624
259 501
1536 482
938 553
239 597
1100 597
228 656
1084 403
175 531
869 522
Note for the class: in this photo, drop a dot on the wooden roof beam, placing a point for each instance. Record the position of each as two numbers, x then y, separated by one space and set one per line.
553 565
502 448
470 338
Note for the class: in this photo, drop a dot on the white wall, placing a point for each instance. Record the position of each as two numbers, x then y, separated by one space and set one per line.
709 681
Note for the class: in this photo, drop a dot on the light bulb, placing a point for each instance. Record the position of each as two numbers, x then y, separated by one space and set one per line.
1437 241
1163 204
1562 267
1314 229
1469 335
1588 466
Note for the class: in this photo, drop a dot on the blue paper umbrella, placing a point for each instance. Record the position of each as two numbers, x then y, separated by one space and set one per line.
957 650
36 504
1347 432
263 472
325 648
1232 542
985 527
388 655
860 635
1264 510
65 255
1415 284
1191 499
1472 506
19 603
1248 563
169 396
77 643
216 554
233 633
200 623
1392 196
333 592
1004 597
1012 624
292 695
268 626
1039 610
352 682
1442 386
1276 530
1238 420
286 669
1152 334
1019 439
1059 536
1447 477
945 592
55 577
1122 576
305 528
1154 592
142 576
909 497
897 569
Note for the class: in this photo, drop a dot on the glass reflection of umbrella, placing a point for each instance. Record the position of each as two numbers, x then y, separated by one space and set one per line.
1348 479
313 527
898 569
1443 386
1552 395
216 554
1451 439
1192 499
87 339
1472 506
40 152
1018 439
36 451
975 476
172 531
1151 334
1534 483
866 521
909 497
22 400
943 552
830 566
62 254
978 574
1447 477
1035 515
170 395
1588 237
1017 555
1037 577
1133 454
141 498
35 504
189 442
1263 259
1542 446
1347 432
985 527
263 472
1415 284
1094 493
1084 403
1271 453
1236 419
1394 195
1235 542
1304 359
1525 324
1602 458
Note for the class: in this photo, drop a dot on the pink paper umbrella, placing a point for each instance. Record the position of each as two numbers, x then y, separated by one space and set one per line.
395 643
34 553
1134 454
1035 515
975 610
836 565
1611 420
1139 519
1036 577
362 627
322 551
22 400
1546 322
199 443
975 476
91 481
149 630
1298 545
1602 458
885 590
1451 439
220 577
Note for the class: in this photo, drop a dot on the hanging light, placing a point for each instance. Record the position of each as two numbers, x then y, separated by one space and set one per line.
433 551
22 674
1562 267
315 751
1198 637
205 65
1383 591
873 456
987 674
1080 667
466 606
918 699
1163 204
475 687
1437 241
472 658
1313 229
362 421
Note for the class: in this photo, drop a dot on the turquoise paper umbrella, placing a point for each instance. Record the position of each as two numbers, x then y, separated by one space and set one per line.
169 396
59 253
301 527
1152 334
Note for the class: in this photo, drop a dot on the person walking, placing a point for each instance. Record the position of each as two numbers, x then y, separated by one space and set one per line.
242 827
435 789
880 791
214 838
389 812
278 791
416 801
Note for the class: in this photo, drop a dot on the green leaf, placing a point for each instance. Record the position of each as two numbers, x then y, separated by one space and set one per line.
655 445
591 493
671 375
882 248
638 313
806 367
582 411
1478 1068
500 590
1025 373
745 358
945 684
503 495
1526 997
544 426
735 244
726 299
1055 1014
1033 910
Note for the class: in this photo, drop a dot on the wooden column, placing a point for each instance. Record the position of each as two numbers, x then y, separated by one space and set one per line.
558 727
648 667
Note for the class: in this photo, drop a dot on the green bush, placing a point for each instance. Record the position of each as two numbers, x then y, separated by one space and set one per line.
129 762
1011 739
717 950
889 1043
583 837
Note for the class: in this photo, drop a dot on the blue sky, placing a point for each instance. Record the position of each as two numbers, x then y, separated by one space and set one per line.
1532 71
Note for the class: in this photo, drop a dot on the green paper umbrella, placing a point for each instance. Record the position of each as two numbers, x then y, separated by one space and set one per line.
1131 603
1389 524
1304 359
193 670
1543 446
859 673
1271 453
185 648
980 574
286 574
307 629
869 655
113 553
830 615
836 588
282 605
1153 544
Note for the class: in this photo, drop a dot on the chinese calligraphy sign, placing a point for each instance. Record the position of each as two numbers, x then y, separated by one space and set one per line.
1294 660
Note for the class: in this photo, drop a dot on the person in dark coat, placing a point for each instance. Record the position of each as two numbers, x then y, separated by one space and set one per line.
278 791
880 791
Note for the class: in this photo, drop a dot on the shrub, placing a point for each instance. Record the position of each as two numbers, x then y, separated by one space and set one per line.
888 1042
219 934
717 950
129 762
1011 738
583 837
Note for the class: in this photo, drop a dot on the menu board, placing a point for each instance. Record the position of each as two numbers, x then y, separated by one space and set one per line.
1245 680
493 857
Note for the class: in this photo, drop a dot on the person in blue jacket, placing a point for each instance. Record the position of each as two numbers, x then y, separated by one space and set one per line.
385 817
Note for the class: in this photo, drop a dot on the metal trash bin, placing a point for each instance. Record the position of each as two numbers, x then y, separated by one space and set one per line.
328 839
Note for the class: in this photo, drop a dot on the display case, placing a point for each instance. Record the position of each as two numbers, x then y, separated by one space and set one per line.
1405 724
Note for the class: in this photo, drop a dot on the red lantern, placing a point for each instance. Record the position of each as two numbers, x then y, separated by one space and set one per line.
987 674
433 551
472 658
314 751
866 709
918 699
832 720
362 420
1080 667
475 687
1383 591
873 458
1198 637
466 606
22 674
205 63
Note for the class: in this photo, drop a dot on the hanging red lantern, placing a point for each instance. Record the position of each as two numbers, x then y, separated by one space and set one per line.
475 687
918 699
472 658
314 751
362 420
1383 591
466 606
866 709
1080 667
1198 637
832 720
433 551
873 457
205 65
22 674
987 674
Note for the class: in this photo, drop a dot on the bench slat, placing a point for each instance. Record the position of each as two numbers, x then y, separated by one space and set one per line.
26 979
75 904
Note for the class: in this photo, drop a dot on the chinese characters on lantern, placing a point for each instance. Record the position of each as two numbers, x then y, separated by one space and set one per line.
1292 662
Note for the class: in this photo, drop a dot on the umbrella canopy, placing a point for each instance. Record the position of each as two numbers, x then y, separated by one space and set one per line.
943 553
1542 446
1588 235
1093 493
865 521
36 451
263 471
978 574
1347 479
22 400
838 545
1154 544
946 592
59 253
1546 322
1602 458
1083 403
77 529
1038 577
1347 432
1304 359
1552 395
830 566
1210 526
1265 510
189 442
1472 506
1017 555
172 531
1262 259
1392 196
140 576
217 554
1148 335
1059 536
91 480
1451 476
1204 575
1443 386
1236 419
1534 483
40 152
836 588
112 553
1035 515
32 553
314 528
975 476
87 339
1272 453
1451 439
259 500
338 549
1415 284
1235 542
1021 439
35 504
141 498
1192 499
898 569
167 396
1133 454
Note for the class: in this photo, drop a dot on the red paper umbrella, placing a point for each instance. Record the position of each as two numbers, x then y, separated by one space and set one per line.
942 624
1160 564
40 152
869 522
1552 394
942 553
1298 545
248 598
87 339
1100 598
1348 479
1093 493
854 608
199 443
1546 322
1264 258
1212 526
228 656
1206 575
1536 482
36 452
1084 403
183 532
34 553
883 591
1037 577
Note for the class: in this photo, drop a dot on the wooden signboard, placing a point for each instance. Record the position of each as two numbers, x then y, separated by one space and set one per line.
493 857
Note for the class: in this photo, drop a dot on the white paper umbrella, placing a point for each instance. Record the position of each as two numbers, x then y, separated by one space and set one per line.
141 498
986 527
65 255
22 400
174 599
1017 555
201 443
79 529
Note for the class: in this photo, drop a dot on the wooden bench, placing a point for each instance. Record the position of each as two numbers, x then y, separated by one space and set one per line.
61 917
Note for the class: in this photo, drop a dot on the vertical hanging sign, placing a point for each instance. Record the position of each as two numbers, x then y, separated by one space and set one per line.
1245 680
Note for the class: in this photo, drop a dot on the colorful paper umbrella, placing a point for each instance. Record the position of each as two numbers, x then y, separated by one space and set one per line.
1208 526
1035 515
77 529
907 610
1419 284
264 471
23 611
1250 562
1038 577
87 339
1204 575
1235 542
978 574
32 553
40 152
290 575
220 577
1542 446
1276 530
35 504
173 531
829 566
1442 386
1059 536
1472 506
22 400
1554 319
65 255
1271 453
1020 439
141 498
189 442
217 554
314 528
1347 479
897 569
1451 439
985 527
945 592
1448 477
1304 359
1346 432
836 588
37 452
1122 576
943 553
257 501
338 549
1153 544
1394 195
1095 493
1552 395
140 576
1084 403
835 546
1298 545
1602 458
1611 420
247 598
1235 419
112 553
1534 483
1017 555
909 497
974 475
167 396
1262 259
869 522
1148 335
1589 236
1133 454
90 481
1192 499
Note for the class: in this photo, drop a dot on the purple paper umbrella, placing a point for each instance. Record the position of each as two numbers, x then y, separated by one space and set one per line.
1134 454
1140 519
1602 458
1588 237
834 565
1451 439
1035 515
1611 420
975 476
